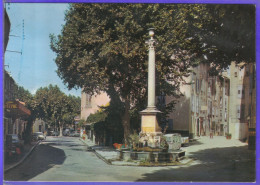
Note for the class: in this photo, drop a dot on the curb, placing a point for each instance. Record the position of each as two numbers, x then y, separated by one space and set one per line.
22 160
97 154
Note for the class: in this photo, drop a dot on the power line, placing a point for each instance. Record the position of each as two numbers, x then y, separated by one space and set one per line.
14 51
21 61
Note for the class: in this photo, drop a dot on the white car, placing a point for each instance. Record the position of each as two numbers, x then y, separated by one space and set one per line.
38 136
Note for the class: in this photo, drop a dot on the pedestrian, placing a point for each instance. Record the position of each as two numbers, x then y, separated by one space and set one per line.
45 134
211 134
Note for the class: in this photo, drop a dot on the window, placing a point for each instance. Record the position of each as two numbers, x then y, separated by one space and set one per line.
239 91
238 111
88 101
235 74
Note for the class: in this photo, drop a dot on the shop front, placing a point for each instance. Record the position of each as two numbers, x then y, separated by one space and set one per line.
15 115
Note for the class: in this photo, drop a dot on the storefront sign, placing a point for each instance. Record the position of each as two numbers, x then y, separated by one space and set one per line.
11 105
17 107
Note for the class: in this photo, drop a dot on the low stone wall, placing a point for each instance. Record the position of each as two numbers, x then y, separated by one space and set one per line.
151 156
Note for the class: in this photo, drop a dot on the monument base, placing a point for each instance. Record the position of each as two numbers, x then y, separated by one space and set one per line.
151 139
150 134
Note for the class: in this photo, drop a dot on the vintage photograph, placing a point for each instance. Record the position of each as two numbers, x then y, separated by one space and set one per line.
129 92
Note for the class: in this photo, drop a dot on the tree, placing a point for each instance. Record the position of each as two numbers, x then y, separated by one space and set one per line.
73 109
227 34
101 47
56 107
49 104
22 94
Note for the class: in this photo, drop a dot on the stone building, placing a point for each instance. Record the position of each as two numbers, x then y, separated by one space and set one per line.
218 104
91 104
242 100
237 124
203 108
15 112
39 126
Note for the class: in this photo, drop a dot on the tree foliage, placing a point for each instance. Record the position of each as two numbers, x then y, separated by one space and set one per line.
228 35
23 95
49 104
56 107
102 46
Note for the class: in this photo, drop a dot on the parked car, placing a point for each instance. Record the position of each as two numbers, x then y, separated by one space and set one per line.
74 134
66 132
50 132
12 143
38 136
55 133
14 139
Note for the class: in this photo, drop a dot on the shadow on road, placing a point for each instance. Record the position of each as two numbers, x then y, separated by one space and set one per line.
75 145
57 143
232 164
44 156
194 142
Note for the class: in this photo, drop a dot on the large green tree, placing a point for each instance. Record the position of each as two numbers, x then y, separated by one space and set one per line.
56 107
227 34
102 46
50 104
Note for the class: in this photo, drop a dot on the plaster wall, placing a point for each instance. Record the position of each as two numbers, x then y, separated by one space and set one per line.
91 104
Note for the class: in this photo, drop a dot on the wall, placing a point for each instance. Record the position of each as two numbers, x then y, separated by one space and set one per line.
39 126
90 104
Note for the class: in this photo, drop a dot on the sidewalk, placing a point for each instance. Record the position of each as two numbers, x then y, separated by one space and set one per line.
18 159
106 153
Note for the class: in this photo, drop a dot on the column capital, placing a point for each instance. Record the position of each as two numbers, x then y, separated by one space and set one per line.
151 43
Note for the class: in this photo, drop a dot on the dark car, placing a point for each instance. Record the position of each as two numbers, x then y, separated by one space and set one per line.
55 133
12 143
13 139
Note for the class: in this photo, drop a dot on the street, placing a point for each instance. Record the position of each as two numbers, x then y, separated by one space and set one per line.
68 159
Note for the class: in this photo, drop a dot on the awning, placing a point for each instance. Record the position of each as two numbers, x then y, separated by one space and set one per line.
16 109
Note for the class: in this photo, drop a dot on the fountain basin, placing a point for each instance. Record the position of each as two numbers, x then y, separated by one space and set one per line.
151 156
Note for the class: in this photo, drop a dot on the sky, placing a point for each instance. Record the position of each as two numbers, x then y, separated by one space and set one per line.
35 67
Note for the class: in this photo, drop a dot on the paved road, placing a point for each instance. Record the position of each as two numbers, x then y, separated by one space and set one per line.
68 159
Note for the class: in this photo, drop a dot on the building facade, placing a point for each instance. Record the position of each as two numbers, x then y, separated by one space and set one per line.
216 104
15 112
39 126
91 104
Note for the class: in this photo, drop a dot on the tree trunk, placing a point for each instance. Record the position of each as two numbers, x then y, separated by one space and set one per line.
28 131
126 120
61 128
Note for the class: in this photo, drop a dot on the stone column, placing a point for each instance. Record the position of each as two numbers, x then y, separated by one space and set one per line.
150 129
151 74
